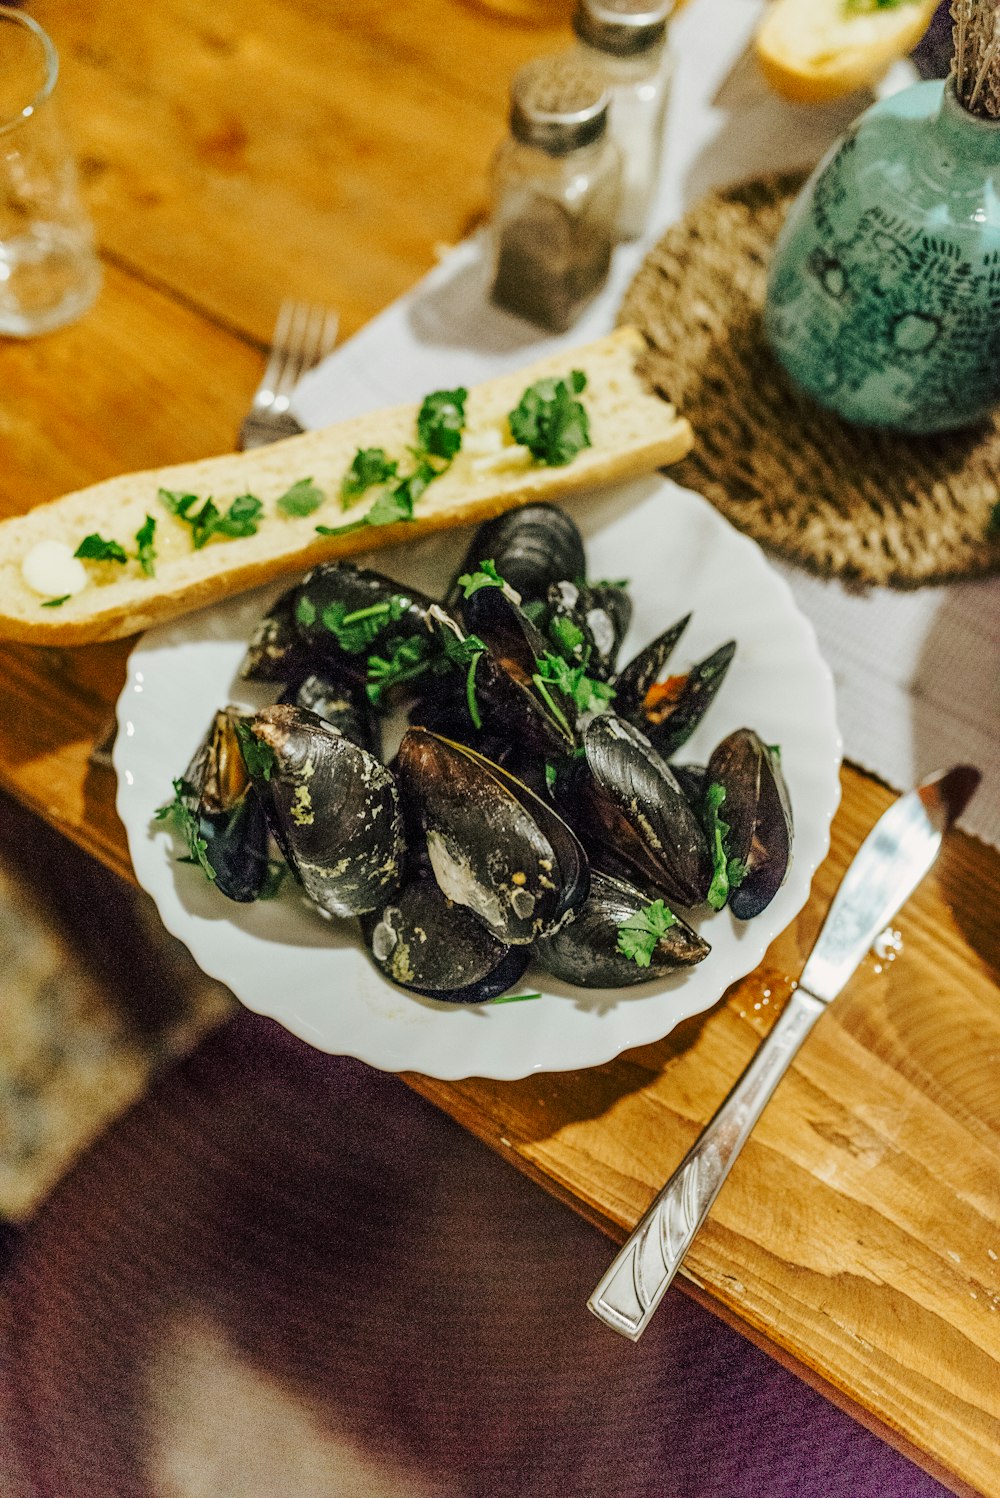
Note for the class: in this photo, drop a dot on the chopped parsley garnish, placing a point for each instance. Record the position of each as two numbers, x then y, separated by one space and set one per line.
257 756
513 998
394 505
486 576
466 654
303 498
357 630
241 519
551 421
865 7
370 466
94 548
305 611
566 636
728 873
638 936
56 603
408 659
586 694
179 813
145 551
440 423
774 750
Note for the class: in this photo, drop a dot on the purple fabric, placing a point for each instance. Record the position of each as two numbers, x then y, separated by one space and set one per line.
278 1246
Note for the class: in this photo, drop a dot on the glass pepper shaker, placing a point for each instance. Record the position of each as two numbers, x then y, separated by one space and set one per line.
556 184
628 41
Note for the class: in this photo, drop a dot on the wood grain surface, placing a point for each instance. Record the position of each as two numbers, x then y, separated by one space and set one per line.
237 153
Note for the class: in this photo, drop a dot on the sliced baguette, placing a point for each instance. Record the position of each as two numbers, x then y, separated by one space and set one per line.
813 51
633 431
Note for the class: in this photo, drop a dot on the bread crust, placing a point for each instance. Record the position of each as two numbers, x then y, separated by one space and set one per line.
633 430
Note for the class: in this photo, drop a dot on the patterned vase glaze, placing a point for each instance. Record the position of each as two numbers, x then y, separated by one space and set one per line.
884 293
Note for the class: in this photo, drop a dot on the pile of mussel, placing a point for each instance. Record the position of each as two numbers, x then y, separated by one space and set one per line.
534 809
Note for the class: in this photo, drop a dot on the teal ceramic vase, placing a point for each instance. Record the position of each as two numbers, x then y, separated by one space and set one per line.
884 293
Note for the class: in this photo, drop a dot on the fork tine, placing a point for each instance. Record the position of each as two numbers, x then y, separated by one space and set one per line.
331 326
291 366
276 359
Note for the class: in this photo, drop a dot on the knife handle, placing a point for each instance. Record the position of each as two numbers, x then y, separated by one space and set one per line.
637 1280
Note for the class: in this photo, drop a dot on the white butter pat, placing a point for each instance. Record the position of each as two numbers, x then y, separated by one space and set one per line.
51 570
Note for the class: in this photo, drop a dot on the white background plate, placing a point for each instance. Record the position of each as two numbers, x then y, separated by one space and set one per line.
282 959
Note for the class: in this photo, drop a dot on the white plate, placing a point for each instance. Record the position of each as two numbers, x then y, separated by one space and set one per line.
282 959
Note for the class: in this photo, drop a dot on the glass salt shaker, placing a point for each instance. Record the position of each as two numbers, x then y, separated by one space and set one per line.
628 40
556 184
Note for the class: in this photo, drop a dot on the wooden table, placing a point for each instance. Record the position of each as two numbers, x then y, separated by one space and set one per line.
234 153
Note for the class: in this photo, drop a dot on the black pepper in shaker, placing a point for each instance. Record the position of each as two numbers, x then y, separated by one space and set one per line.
556 186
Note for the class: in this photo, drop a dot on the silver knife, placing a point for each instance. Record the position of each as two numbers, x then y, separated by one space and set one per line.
887 868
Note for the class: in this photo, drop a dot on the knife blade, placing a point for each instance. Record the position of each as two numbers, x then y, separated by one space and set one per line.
891 862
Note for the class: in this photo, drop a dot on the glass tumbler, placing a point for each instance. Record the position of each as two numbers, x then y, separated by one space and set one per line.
49 273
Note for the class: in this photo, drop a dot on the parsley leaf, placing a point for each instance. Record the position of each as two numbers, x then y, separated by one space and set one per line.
239 520
638 936
586 694
486 576
179 813
467 653
370 466
56 603
146 553
718 831
357 630
550 421
566 636
408 658
440 422
301 499
94 548
513 998
257 756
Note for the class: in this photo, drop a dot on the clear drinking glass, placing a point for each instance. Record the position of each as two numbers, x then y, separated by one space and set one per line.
49 273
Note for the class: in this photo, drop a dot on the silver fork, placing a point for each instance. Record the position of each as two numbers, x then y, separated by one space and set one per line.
303 335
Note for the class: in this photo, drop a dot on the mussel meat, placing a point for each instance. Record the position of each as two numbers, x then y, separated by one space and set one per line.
634 680
587 951
334 809
231 823
493 844
758 811
530 548
620 795
422 941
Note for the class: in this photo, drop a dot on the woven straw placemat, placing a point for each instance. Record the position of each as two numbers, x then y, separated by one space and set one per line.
874 507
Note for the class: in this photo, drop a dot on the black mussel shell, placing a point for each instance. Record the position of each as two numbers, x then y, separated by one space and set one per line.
530 548
231 817
423 942
342 702
620 795
672 710
505 677
334 809
587 624
276 651
343 613
634 680
494 845
585 952
759 813
693 781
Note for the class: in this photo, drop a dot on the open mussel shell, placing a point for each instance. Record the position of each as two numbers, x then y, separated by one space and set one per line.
505 676
634 680
587 624
494 845
276 651
334 809
230 815
530 548
693 781
342 702
344 612
586 953
671 710
423 942
759 813
621 796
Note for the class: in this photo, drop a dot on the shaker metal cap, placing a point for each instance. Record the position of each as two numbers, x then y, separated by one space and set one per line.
622 26
558 104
